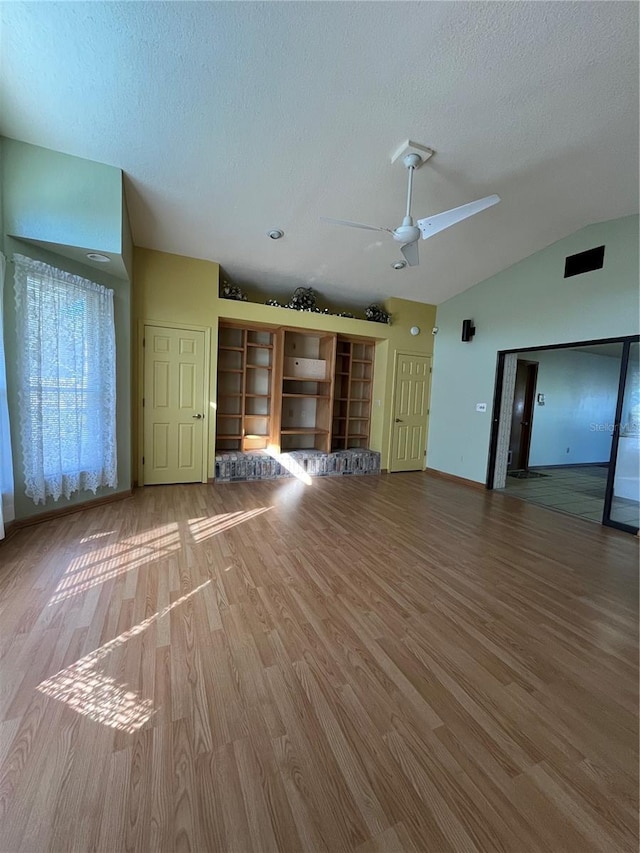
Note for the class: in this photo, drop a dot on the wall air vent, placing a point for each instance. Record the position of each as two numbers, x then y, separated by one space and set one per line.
592 259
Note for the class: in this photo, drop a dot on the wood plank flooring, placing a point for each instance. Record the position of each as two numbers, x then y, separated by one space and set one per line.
376 664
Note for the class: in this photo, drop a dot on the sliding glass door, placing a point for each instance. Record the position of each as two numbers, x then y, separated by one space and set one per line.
622 502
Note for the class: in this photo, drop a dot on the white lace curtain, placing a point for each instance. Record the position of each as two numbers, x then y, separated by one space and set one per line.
6 465
67 382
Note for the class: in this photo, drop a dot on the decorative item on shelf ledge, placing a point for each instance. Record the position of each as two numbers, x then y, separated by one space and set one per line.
232 291
303 299
377 314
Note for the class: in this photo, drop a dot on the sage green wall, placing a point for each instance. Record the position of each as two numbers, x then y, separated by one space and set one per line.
24 506
528 305
61 199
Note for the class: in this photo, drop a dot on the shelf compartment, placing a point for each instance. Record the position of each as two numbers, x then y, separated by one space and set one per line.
230 359
231 337
259 338
227 445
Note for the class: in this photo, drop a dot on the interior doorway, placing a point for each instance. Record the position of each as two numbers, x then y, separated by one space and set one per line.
522 415
566 429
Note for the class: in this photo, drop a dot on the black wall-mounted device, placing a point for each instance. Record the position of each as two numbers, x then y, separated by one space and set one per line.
468 330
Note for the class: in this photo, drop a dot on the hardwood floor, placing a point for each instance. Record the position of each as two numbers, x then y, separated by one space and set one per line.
375 664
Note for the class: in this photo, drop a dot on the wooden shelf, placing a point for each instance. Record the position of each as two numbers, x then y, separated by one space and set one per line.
231 349
226 437
230 370
258 366
260 346
302 396
305 379
304 431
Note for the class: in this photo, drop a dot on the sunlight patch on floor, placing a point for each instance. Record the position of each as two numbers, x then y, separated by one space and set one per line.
100 535
103 564
207 526
98 696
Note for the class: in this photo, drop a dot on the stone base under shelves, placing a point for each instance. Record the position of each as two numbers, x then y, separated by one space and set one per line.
235 467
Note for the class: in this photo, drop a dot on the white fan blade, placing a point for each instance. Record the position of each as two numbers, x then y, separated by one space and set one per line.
353 224
411 254
433 224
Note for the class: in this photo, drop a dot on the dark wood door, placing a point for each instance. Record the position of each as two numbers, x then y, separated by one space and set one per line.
522 415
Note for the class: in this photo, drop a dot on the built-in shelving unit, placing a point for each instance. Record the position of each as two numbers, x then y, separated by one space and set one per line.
292 389
307 390
244 416
351 420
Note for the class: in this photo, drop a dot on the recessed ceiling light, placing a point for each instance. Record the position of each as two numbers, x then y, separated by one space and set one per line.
275 233
398 265
96 256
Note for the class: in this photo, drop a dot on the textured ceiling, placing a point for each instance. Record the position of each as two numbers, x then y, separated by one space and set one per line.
232 118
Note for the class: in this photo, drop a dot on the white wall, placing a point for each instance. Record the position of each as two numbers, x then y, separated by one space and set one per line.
580 390
528 305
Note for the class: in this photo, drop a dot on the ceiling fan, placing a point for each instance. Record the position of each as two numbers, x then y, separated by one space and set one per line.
408 234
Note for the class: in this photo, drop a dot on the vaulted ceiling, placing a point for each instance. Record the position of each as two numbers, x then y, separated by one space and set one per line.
230 118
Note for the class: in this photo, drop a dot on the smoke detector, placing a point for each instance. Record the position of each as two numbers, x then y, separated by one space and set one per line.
275 233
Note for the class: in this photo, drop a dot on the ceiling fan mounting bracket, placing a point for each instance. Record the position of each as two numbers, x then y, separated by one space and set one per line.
409 147
412 161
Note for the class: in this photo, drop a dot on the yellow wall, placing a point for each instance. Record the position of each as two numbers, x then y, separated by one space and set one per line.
174 289
171 289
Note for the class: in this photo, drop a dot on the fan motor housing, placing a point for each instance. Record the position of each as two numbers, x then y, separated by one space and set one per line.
406 234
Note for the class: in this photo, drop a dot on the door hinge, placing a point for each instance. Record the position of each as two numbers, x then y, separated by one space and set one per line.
431 370
143 402
143 460
144 342
428 411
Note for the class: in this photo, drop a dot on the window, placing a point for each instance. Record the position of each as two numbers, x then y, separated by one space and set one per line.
66 376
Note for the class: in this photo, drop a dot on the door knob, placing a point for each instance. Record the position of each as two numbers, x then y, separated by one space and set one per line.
198 416
398 420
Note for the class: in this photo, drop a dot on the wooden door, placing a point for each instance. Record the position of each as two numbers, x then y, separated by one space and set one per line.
522 415
410 413
174 405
